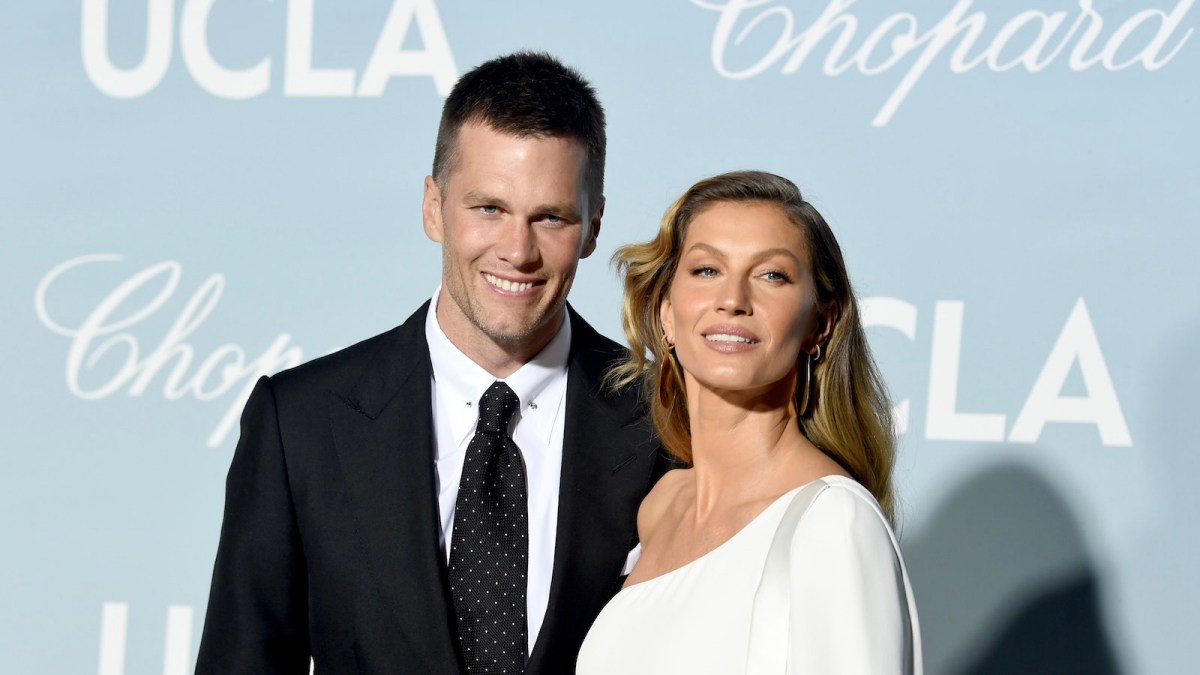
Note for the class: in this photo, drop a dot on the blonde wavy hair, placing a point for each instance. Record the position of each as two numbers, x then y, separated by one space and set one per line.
849 416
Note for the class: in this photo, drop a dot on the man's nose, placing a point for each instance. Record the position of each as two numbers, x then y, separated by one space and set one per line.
517 244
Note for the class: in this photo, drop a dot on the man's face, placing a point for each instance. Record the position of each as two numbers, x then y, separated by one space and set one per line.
513 222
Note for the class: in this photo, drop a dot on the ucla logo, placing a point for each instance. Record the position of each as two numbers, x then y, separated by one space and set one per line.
1077 346
389 59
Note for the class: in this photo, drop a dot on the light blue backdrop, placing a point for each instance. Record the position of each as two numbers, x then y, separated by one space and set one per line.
193 192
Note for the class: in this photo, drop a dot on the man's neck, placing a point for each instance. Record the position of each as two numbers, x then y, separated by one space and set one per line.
500 358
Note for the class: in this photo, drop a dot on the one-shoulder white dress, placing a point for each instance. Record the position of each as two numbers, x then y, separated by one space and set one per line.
817 588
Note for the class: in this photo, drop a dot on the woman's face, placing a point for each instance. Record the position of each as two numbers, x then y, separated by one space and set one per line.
742 305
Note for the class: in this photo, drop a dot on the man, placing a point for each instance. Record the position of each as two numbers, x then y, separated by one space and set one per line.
346 533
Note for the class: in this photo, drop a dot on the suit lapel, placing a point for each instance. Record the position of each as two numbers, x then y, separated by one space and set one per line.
608 460
383 430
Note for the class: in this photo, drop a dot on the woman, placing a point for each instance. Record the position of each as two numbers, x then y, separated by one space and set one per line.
773 552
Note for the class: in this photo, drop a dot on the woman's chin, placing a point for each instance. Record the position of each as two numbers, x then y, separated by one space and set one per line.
740 387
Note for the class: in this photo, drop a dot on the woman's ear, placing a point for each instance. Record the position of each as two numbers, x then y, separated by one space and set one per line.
667 319
826 319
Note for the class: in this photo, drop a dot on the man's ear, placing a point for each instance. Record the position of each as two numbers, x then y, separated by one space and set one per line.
431 210
589 246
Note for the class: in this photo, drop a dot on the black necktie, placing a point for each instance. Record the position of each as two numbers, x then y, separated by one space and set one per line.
490 545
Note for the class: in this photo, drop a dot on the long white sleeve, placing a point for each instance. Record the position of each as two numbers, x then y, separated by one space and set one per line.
850 609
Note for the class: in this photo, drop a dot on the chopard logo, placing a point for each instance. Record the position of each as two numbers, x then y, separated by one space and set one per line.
762 35
107 355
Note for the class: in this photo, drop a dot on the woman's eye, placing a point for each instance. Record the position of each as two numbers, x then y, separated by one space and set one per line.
704 271
777 276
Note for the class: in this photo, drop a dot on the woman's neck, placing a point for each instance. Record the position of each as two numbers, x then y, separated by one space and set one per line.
743 446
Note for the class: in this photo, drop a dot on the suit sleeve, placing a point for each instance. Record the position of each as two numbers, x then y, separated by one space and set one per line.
256 620
849 605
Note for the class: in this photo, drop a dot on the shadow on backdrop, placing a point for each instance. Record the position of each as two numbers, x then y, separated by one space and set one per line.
1005 584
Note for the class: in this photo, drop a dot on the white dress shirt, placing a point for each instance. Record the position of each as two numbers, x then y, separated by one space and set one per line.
536 428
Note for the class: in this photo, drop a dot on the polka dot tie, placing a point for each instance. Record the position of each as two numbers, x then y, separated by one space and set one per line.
490 545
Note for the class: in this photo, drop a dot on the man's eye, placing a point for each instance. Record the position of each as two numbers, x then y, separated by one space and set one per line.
488 210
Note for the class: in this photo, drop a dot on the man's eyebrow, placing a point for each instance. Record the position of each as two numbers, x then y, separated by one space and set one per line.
477 197
568 210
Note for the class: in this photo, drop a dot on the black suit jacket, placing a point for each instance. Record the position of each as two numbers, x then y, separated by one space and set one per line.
330 540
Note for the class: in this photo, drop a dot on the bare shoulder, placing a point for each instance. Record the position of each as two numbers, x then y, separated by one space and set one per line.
658 502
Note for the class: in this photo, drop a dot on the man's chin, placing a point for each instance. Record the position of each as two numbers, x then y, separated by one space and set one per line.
514 335
505 333
508 339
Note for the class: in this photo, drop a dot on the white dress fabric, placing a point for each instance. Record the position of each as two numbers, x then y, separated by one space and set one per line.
849 608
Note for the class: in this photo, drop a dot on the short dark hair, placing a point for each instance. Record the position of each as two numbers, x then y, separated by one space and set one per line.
525 94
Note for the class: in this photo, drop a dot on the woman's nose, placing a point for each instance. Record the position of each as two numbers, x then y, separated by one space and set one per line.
735 297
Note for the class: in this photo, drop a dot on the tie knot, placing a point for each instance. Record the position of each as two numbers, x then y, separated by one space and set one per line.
496 408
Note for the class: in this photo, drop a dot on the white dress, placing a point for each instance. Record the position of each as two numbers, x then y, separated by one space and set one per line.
848 607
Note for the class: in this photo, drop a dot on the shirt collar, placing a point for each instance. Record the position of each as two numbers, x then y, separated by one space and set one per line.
460 381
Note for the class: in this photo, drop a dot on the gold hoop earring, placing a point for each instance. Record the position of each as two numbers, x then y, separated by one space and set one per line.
667 372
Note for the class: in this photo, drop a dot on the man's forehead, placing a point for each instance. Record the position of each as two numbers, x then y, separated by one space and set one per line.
500 154
471 133
482 124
